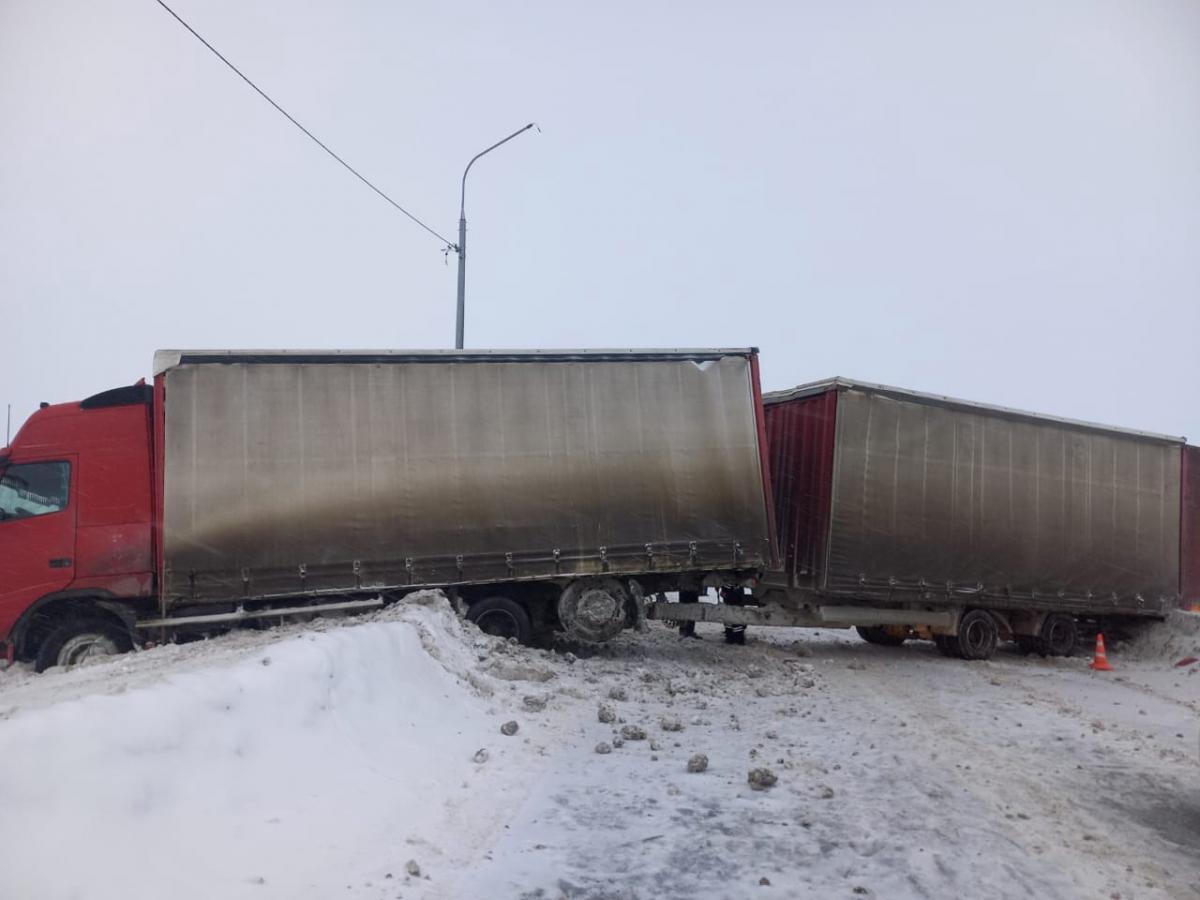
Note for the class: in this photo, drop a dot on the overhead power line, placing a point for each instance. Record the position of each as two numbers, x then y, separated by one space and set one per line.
353 171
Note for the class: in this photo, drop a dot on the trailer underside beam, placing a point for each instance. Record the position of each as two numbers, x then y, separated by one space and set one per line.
801 616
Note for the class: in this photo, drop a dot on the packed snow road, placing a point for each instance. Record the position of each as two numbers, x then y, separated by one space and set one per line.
367 759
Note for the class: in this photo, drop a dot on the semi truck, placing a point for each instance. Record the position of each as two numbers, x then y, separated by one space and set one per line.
572 490
905 514
541 490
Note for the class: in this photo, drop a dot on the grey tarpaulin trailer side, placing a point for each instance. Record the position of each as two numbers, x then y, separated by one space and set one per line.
897 508
515 473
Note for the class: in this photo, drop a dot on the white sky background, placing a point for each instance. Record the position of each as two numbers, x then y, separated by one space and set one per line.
995 201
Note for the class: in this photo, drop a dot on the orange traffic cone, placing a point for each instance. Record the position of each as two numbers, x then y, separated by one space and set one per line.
1100 660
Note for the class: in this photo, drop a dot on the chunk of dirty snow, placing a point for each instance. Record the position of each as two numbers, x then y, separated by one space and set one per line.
698 763
425 597
412 868
633 733
606 714
508 729
481 756
671 723
603 747
515 671
761 779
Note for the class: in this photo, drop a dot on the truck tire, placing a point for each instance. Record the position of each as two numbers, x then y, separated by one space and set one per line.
1059 635
78 639
593 609
977 635
881 635
501 617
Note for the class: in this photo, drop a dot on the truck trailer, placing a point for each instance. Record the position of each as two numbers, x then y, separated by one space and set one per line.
550 489
908 514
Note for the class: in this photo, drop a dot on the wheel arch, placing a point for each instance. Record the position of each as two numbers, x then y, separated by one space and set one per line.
47 612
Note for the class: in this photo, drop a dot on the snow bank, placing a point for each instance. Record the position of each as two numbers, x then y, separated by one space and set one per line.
1175 638
307 765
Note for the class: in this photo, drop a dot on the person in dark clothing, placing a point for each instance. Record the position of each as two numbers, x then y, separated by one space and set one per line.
688 629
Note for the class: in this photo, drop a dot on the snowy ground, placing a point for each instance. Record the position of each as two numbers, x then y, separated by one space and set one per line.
314 762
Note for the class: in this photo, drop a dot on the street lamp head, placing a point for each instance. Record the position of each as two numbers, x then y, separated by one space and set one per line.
461 247
463 203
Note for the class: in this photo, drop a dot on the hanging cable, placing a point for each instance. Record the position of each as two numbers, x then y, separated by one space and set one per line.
450 246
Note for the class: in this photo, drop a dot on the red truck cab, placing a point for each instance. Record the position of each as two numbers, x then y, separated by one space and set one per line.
76 528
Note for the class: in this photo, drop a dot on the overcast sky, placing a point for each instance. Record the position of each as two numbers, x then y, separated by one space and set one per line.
995 201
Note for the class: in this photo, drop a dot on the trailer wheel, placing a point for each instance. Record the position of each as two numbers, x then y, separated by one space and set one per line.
593 609
76 640
977 635
882 635
501 617
1059 635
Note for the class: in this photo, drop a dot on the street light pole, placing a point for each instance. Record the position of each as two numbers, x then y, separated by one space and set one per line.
461 248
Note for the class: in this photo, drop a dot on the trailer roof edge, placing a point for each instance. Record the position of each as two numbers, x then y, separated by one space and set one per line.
840 383
169 359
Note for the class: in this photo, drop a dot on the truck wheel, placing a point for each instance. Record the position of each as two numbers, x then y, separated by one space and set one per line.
76 640
593 609
977 635
501 617
882 635
1059 635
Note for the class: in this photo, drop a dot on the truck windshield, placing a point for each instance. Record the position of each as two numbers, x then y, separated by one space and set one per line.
34 489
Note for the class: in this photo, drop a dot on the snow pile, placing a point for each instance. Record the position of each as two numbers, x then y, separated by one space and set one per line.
405 755
1176 637
306 766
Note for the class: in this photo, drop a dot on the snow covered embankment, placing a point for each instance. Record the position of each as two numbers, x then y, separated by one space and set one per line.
311 764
